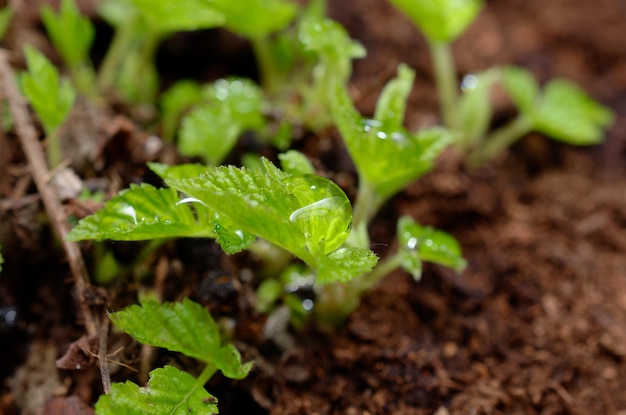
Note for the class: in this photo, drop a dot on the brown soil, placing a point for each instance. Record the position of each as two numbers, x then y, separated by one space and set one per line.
535 325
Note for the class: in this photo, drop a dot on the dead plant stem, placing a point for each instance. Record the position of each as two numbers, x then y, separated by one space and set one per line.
39 170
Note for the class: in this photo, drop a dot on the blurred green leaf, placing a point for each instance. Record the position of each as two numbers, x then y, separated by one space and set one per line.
440 20
71 33
52 98
294 162
166 16
169 392
255 18
475 108
230 107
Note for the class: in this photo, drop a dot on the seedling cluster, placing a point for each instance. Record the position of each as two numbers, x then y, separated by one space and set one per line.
305 62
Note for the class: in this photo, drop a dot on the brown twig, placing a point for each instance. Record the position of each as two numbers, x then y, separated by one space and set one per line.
39 170
102 356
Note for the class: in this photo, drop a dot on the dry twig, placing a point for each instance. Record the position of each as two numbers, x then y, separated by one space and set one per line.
27 134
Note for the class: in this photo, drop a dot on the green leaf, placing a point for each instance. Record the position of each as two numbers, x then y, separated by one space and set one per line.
422 243
568 114
305 214
174 102
440 20
179 171
184 327
255 19
294 162
169 392
70 32
521 86
51 98
145 212
181 15
344 264
391 105
387 159
333 44
230 107
6 13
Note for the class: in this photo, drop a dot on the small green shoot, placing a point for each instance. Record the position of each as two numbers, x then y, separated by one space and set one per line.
386 155
72 35
441 22
335 51
140 26
52 98
561 111
229 107
186 328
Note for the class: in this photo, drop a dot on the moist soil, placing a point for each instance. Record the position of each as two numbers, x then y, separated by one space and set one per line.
536 324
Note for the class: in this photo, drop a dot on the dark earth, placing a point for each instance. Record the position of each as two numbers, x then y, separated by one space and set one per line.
536 324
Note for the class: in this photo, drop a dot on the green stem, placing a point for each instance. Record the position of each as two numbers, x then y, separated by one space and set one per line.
54 152
206 374
499 140
335 302
365 206
445 77
267 72
121 43
84 78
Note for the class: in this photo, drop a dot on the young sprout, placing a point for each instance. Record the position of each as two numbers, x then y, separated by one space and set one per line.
186 328
139 27
562 111
228 108
441 22
72 34
386 155
52 98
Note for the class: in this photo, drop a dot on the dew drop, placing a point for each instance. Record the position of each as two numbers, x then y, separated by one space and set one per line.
307 304
324 214
128 210
469 83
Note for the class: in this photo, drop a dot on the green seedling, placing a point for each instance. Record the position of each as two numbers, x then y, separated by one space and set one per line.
6 14
562 111
51 97
386 155
228 108
335 50
186 328
441 22
139 27
72 35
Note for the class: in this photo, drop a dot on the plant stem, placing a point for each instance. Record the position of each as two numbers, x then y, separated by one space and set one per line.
267 71
499 140
445 77
122 40
54 152
365 206
335 302
207 373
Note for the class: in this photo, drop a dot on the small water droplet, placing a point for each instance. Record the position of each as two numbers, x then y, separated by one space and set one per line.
324 215
128 210
469 83
191 200
307 304
412 243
